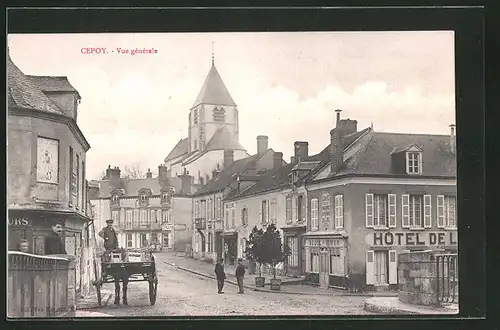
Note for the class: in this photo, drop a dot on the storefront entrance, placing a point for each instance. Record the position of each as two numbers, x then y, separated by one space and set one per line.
324 277
218 245
230 248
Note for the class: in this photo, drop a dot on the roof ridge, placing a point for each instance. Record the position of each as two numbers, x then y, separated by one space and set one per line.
410 134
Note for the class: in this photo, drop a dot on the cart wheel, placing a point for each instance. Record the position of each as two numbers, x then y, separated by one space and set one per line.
97 285
153 288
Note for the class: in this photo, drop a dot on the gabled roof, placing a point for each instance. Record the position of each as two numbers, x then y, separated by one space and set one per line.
227 176
23 93
131 187
214 91
223 139
180 149
53 84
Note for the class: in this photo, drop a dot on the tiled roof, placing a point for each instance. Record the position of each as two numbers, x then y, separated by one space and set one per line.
223 139
131 187
24 94
437 158
53 83
227 176
180 149
306 165
214 91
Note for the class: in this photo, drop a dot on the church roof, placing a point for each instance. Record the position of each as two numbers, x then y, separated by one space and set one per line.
214 91
223 139
181 148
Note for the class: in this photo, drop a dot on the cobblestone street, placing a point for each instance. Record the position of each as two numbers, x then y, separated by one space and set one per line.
185 294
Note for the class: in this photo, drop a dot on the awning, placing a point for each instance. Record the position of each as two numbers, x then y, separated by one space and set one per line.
334 233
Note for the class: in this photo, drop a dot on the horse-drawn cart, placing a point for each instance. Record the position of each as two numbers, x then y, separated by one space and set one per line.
130 265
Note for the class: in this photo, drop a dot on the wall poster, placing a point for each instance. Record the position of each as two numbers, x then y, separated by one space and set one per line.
47 161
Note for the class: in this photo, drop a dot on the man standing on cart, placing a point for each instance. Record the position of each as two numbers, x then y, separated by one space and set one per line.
108 234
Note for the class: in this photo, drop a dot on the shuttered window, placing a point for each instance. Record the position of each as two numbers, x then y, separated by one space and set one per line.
369 210
446 211
314 214
339 212
427 211
325 208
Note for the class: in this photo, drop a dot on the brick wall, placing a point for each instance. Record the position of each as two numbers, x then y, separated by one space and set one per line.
417 278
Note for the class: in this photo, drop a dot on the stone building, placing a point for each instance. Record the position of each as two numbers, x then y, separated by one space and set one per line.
213 127
146 210
46 162
377 195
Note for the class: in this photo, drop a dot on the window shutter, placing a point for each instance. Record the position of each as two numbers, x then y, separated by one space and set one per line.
370 267
392 210
393 267
339 211
136 216
405 210
369 210
267 212
304 208
121 218
427 211
440 211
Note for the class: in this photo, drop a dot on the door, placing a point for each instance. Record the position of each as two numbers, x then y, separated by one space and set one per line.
324 276
218 245
303 255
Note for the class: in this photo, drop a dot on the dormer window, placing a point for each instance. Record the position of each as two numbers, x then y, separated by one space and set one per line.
164 196
115 198
413 162
143 197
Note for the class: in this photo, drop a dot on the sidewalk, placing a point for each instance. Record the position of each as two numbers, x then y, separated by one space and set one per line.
392 305
289 285
90 301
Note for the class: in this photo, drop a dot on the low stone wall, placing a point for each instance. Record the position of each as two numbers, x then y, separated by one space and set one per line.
417 278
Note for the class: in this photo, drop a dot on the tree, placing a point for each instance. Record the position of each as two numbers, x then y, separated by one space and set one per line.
253 247
272 251
133 171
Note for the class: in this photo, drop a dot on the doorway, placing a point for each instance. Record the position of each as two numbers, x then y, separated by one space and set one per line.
324 274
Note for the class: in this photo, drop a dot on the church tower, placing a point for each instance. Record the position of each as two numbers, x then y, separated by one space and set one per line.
214 111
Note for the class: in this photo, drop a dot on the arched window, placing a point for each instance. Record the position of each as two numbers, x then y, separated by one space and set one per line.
219 114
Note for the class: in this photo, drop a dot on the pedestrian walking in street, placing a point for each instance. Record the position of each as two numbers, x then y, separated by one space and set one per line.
108 234
220 274
53 242
240 274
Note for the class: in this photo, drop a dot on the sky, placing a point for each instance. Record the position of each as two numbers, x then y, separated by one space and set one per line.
287 85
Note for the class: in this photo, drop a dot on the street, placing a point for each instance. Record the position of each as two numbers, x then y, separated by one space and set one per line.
184 294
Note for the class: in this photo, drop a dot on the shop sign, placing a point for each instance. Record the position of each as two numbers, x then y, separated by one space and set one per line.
427 239
19 222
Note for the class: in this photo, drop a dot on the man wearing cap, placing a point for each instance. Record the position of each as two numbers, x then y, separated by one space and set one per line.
53 242
108 234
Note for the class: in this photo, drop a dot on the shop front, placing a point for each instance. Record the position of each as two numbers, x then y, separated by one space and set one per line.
230 240
326 260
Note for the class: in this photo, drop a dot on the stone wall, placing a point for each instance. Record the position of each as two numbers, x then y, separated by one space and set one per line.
417 278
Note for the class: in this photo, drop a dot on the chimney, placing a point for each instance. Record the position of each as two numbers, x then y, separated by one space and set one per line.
338 111
228 157
301 150
347 126
277 160
262 144
453 140
336 150
113 173
186 182
292 159
163 174
149 174
215 173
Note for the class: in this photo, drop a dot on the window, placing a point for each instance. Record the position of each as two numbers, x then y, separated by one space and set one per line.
72 176
153 216
415 211
164 196
265 212
128 218
227 218
293 257
219 114
203 211
77 181
154 238
158 216
143 197
314 214
339 211
244 216
299 208
381 267
143 217
210 242
114 198
165 216
197 209
412 208
289 209
233 218
314 262
380 211
217 208
83 186
446 211
144 241
210 209
48 160
413 162
273 211
325 209
115 216
129 241
336 262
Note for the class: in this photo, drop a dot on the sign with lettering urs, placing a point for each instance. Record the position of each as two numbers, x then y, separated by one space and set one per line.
424 239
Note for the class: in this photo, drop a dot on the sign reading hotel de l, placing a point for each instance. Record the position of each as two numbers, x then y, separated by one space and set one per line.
427 239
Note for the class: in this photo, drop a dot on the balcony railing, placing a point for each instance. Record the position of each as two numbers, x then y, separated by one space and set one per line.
39 286
140 226
447 278
200 223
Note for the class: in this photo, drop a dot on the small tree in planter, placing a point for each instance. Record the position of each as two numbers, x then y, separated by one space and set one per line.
273 252
253 253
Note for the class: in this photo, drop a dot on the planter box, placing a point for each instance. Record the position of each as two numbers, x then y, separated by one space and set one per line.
260 281
275 284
